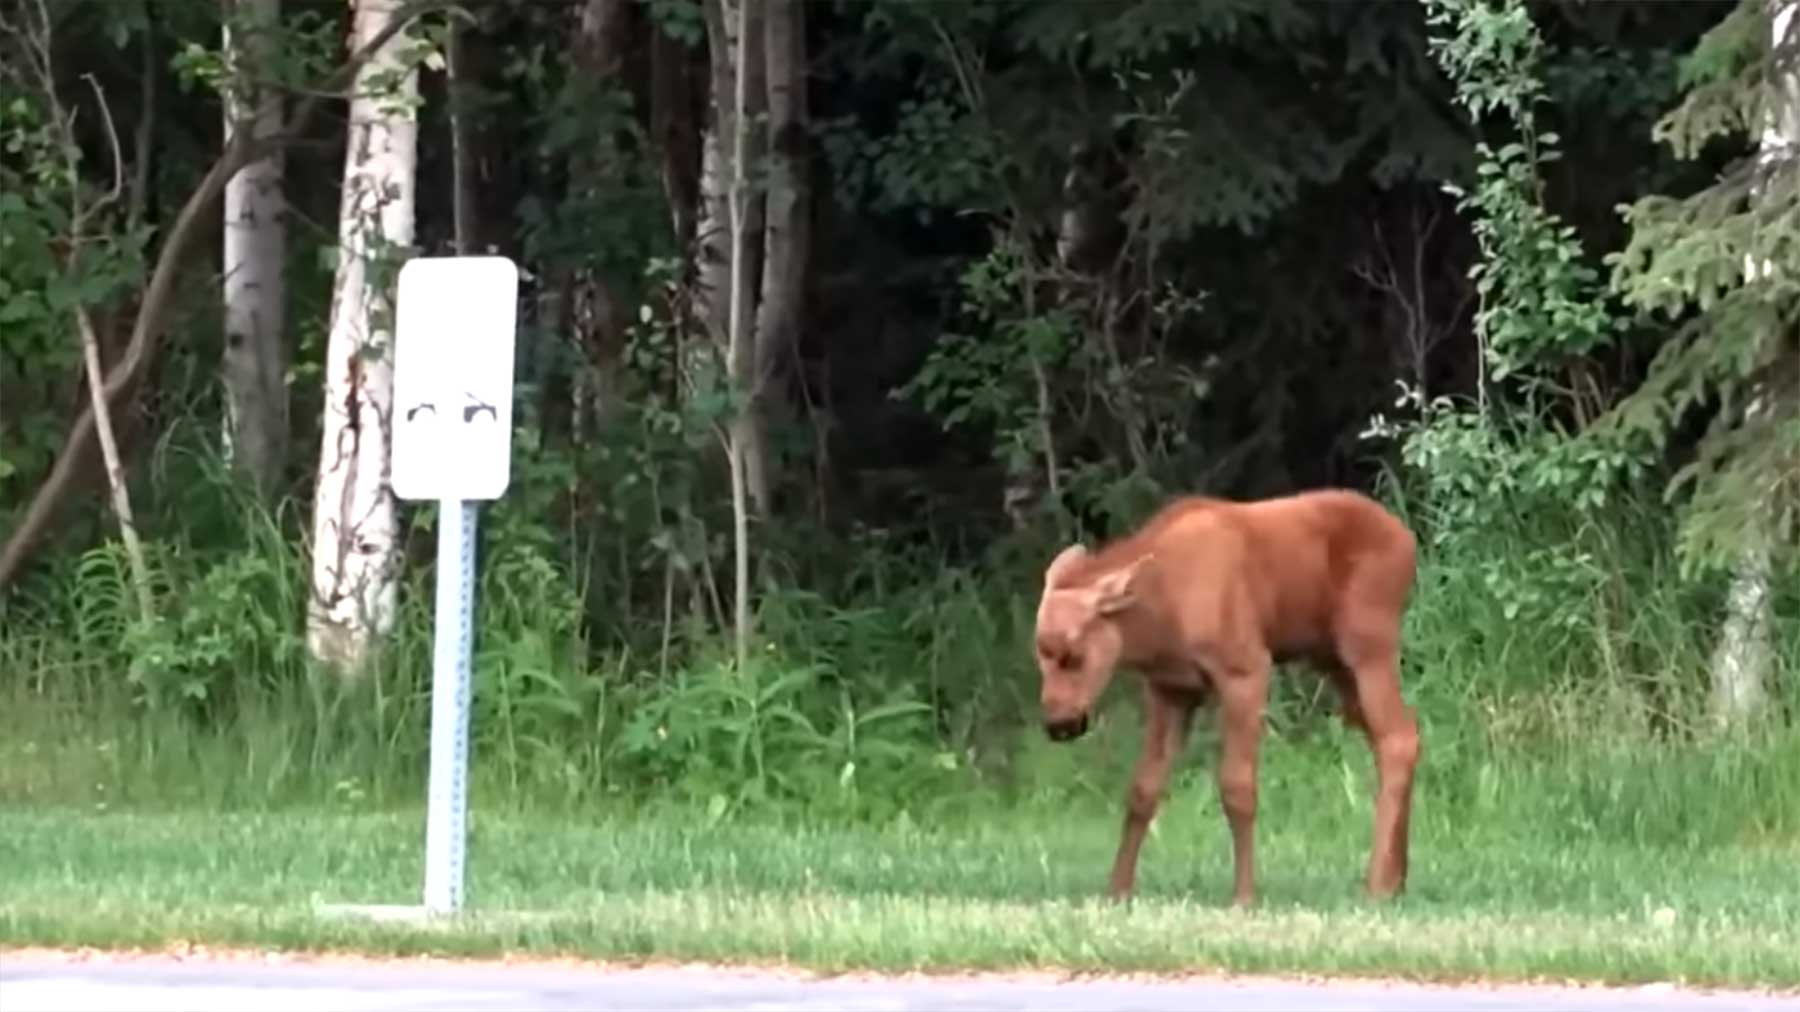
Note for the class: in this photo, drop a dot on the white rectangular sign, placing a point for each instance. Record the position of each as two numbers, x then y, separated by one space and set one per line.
456 319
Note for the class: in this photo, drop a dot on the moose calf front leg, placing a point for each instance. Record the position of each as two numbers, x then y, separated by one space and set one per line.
1166 719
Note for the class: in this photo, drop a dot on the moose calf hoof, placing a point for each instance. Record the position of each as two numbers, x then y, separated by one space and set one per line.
1384 893
1384 883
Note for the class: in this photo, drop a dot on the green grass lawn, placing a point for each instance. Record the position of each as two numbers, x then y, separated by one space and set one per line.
1001 891
1573 819
1534 859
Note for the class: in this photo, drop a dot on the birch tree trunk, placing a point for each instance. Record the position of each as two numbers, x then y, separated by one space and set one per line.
730 242
254 365
730 251
787 234
1744 657
354 528
746 243
712 229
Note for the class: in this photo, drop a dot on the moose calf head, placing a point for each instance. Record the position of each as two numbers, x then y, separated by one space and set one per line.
1079 641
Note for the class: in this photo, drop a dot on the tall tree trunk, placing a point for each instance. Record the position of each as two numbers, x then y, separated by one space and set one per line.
673 130
354 528
604 33
676 129
730 243
1744 656
149 67
1091 283
734 39
604 36
254 366
786 239
465 226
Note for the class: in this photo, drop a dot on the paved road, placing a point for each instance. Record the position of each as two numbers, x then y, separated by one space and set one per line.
39 983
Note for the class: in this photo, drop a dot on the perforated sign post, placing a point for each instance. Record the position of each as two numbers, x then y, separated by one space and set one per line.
455 323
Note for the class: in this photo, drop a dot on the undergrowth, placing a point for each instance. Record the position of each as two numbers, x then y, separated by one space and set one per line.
1557 663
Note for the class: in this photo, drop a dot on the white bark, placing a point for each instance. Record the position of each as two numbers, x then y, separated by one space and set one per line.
115 472
254 365
729 253
745 223
712 292
730 244
1744 657
354 528
786 232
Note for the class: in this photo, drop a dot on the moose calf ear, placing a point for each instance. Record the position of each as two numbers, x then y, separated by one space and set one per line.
1113 592
1060 565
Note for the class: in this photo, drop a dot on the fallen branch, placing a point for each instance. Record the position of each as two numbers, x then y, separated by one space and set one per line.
90 355
115 472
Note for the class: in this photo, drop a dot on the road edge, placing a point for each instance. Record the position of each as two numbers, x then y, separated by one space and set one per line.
185 952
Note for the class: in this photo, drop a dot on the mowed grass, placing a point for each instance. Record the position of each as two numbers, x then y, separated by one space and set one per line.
1496 897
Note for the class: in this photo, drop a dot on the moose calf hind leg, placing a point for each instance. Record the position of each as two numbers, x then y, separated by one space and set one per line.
1393 734
1241 700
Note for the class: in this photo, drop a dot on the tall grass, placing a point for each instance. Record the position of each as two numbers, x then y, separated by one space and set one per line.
1557 663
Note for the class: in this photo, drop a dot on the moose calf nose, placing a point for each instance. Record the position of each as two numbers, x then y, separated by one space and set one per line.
1066 730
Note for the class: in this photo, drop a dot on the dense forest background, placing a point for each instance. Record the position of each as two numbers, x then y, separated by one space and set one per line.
837 319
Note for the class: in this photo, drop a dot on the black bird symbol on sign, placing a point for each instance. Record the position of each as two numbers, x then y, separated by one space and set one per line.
423 406
476 408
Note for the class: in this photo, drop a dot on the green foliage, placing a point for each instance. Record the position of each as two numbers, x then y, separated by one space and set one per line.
1731 77
831 719
225 615
1556 624
989 381
597 206
1718 265
1540 315
683 20
1212 102
740 740
905 688
938 155
213 623
1237 141
300 47
1540 300
1260 172
46 274
1478 467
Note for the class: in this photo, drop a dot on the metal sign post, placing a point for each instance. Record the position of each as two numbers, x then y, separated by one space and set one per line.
455 324
447 792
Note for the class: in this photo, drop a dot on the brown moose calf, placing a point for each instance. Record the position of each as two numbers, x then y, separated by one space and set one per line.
1201 601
